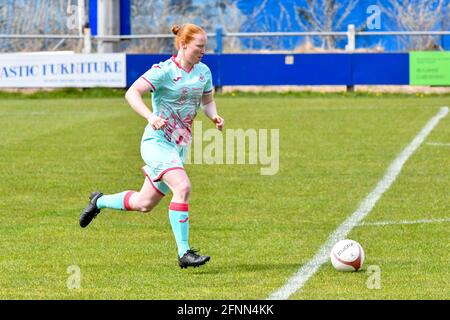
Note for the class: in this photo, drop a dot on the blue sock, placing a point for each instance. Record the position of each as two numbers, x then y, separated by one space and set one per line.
179 220
118 201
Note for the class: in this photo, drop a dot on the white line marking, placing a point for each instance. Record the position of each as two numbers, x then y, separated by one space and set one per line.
298 280
386 223
439 144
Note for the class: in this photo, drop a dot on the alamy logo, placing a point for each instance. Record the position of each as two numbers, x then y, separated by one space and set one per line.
235 146
74 280
72 16
374 20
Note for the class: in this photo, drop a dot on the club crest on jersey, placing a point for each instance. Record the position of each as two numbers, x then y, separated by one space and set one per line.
202 77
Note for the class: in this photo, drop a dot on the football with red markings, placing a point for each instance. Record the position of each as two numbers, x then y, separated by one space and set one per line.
347 255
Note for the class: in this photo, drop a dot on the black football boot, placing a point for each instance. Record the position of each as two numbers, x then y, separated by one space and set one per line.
91 210
192 259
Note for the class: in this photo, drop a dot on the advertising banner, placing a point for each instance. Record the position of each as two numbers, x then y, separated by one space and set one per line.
429 68
34 70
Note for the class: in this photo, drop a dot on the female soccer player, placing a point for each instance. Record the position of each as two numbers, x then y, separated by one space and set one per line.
179 86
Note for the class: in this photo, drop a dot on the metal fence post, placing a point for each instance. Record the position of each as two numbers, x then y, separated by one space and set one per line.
87 45
219 40
350 47
350 38
218 51
108 14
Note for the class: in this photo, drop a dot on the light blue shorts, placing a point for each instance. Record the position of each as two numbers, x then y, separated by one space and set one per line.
160 156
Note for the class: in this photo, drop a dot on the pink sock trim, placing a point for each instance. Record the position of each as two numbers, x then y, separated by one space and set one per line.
179 206
126 200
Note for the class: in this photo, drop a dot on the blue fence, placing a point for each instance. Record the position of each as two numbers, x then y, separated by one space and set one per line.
296 69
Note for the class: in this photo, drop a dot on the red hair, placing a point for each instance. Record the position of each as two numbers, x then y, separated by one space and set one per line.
185 33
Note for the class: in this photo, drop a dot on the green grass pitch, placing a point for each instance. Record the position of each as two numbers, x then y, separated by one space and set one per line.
258 229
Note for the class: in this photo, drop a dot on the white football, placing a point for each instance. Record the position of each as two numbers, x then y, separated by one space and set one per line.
347 255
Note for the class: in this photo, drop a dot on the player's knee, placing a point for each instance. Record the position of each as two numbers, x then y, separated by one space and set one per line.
184 189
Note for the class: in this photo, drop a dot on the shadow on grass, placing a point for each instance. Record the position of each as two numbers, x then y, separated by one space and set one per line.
248 267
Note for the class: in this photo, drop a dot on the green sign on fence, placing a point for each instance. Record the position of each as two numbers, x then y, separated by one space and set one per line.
429 68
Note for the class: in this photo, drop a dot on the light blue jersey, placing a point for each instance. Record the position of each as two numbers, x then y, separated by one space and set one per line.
176 97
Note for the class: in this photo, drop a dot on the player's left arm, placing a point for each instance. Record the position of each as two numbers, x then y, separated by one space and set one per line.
210 110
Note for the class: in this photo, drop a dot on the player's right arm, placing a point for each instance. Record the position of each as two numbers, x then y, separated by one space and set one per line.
134 98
